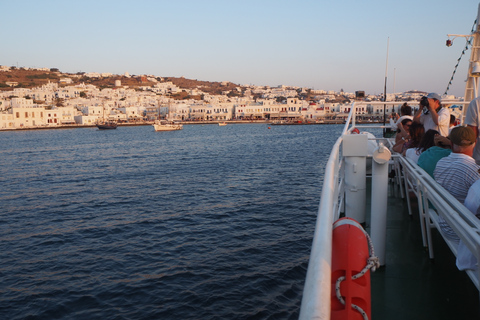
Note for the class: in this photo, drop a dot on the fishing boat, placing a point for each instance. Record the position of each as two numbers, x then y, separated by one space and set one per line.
165 125
107 125
399 220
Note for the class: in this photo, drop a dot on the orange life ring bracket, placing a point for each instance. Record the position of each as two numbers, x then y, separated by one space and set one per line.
351 261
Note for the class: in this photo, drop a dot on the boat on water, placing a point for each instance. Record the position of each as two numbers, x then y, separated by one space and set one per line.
400 217
107 125
221 124
165 125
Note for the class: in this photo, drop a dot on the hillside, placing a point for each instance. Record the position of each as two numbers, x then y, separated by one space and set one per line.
21 78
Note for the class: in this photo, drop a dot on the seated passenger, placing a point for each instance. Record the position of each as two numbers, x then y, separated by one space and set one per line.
416 133
465 259
457 172
402 136
427 142
405 113
429 158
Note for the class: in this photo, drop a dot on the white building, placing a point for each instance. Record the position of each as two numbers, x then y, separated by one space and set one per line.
30 116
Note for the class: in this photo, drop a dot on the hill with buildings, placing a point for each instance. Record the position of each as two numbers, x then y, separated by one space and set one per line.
30 78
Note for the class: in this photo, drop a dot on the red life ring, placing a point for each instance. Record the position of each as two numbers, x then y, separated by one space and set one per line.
350 255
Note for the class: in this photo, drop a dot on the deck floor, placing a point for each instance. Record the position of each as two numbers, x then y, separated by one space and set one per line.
412 286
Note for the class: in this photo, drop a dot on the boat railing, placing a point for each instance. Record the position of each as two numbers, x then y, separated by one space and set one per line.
317 289
465 224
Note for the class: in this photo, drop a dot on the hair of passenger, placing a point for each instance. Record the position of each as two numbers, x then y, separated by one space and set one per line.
452 119
404 122
405 109
428 140
416 134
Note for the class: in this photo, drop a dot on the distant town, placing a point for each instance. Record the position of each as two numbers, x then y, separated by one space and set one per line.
33 98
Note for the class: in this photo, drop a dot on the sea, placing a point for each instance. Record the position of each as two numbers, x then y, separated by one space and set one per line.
210 222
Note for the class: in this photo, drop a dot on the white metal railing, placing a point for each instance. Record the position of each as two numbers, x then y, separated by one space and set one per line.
317 290
465 224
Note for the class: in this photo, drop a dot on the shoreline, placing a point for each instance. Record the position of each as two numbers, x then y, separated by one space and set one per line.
216 122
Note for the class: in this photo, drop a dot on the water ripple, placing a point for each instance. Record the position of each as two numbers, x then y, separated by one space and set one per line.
205 223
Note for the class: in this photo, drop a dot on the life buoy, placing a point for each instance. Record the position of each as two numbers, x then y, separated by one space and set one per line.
351 261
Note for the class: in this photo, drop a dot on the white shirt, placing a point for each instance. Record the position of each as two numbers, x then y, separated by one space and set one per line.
443 121
465 259
413 154
472 119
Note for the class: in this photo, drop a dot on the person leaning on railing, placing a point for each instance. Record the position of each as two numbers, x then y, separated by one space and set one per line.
402 135
457 172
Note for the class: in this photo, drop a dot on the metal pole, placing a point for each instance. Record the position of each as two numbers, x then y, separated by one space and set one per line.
378 228
385 88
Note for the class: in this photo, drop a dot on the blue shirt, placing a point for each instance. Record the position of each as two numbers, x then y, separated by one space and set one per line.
429 158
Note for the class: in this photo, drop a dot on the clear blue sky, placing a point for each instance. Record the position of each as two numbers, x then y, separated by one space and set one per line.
321 44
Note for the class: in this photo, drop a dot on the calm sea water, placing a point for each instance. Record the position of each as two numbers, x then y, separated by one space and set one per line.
205 223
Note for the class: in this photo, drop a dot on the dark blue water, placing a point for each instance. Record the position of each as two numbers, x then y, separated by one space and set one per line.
205 223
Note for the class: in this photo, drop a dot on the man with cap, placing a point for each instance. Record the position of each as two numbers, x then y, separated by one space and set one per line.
458 171
432 115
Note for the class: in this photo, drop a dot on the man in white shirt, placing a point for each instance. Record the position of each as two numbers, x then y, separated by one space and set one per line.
472 119
433 115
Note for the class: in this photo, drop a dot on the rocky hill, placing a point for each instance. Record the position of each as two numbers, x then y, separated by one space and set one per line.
22 78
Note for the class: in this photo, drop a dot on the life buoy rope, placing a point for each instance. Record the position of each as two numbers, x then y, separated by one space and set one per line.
372 263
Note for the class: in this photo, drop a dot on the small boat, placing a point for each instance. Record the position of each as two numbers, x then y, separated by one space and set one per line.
107 125
222 124
165 125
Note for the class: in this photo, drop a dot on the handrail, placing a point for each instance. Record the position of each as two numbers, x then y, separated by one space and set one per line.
316 293
317 290
465 224
455 213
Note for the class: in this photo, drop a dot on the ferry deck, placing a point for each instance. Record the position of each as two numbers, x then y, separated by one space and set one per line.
411 285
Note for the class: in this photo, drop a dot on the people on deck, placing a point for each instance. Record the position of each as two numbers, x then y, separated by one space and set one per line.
465 259
428 158
432 114
472 119
405 113
402 135
453 120
416 132
457 172
426 143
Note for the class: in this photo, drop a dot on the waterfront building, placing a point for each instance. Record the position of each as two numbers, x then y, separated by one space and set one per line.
178 111
131 112
85 119
198 112
27 116
6 121
221 111
64 115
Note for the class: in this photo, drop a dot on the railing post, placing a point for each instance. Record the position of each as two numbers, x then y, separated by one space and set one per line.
355 152
378 224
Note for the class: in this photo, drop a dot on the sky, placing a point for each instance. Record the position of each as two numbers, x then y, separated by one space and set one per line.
322 44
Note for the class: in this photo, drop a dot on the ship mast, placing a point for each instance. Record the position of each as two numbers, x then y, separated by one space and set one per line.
471 88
